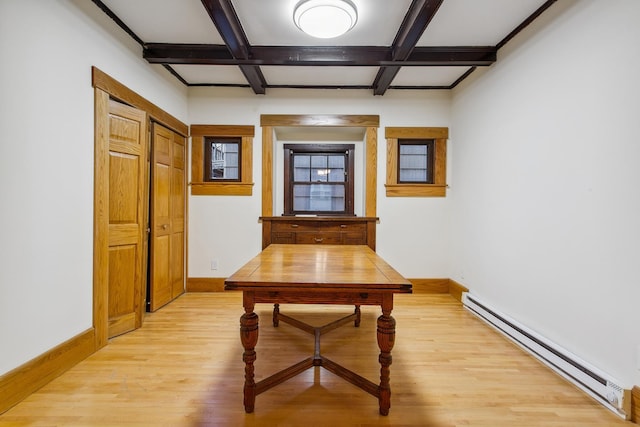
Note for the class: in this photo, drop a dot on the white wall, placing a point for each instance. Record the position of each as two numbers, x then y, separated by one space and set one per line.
412 234
46 163
545 195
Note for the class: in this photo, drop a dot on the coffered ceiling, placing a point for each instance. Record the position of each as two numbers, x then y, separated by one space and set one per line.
396 44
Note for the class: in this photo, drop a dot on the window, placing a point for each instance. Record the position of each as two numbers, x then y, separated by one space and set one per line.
318 179
221 160
416 161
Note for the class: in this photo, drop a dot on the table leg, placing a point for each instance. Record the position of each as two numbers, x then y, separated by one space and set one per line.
249 338
356 323
276 311
386 338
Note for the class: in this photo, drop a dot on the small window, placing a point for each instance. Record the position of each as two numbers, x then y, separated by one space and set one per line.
318 179
415 161
222 159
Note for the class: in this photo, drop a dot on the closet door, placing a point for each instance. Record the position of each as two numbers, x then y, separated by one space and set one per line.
177 252
166 278
127 217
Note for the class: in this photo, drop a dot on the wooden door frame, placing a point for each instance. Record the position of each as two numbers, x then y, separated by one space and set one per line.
105 88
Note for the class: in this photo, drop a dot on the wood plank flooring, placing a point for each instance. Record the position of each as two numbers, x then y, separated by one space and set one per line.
184 368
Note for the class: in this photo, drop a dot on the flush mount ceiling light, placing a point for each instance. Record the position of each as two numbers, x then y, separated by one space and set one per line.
325 19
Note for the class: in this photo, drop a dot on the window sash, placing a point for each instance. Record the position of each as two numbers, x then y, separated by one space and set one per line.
319 197
317 179
222 159
415 161
319 167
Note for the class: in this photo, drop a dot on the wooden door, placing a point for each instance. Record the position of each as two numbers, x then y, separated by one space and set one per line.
128 193
167 217
178 215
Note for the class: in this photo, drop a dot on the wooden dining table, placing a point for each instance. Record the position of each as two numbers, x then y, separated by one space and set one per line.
317 274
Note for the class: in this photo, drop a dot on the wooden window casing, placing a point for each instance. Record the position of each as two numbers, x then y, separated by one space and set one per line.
438 187
203 185
370 123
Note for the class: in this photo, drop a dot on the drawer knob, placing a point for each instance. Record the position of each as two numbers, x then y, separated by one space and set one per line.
343 226
294 225
318 239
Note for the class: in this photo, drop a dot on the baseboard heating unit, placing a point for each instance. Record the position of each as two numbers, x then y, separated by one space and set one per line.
597 384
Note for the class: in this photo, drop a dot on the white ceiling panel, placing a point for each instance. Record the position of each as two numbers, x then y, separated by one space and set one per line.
205 74
428 76
320 76
166 21
270 23
476 22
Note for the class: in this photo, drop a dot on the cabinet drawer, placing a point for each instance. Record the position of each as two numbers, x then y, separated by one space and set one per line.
283 237
318 226
297 226
354 238
326 238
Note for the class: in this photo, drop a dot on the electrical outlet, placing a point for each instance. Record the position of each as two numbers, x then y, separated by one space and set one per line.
214 264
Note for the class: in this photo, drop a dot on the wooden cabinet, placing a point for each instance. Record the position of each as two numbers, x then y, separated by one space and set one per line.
319 230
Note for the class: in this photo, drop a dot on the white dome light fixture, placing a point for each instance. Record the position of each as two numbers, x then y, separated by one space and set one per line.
325 19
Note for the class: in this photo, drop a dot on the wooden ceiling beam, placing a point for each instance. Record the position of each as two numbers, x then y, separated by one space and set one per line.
415 22
170 53
451 55
321 55
226 21
164 53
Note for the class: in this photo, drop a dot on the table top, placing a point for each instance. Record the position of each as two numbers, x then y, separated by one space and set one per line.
330 267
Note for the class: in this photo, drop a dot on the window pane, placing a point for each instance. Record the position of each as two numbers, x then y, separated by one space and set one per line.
301 197
336 167
225 160
319 171
413 163
319 175
318 197
302 168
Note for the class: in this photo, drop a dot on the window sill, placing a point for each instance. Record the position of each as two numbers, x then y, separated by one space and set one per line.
221 189
416 190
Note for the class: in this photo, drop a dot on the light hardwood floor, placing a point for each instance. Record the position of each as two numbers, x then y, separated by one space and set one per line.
184 368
